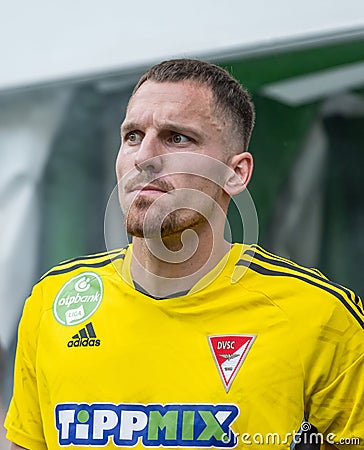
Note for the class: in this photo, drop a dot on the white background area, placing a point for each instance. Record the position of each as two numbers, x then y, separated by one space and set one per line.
43 41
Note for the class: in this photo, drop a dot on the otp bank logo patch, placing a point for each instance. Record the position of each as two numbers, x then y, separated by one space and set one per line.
78 299
154 425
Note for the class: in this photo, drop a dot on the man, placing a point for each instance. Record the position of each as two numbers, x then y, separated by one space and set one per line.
182 339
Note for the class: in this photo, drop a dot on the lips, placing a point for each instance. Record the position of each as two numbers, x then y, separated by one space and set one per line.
152 188
149 189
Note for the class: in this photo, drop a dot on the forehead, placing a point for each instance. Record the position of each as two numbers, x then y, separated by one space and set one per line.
172 100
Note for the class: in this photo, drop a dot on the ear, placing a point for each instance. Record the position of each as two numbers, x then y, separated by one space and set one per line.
242 165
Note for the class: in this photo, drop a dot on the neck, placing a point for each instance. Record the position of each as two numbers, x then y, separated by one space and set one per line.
177 262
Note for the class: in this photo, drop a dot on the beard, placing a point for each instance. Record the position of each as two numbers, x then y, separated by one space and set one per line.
170 215
159 222
173 212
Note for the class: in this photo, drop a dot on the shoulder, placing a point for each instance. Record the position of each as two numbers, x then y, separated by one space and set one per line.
300 292
74 273
98 262
70 291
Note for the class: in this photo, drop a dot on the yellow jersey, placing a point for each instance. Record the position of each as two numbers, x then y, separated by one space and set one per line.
253 349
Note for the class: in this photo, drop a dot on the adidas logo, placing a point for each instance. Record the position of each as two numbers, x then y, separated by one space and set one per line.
86 337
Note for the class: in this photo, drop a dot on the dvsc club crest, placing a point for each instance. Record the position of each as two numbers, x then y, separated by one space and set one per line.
78 299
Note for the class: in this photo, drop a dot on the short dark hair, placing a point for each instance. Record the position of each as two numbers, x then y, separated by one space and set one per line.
231 98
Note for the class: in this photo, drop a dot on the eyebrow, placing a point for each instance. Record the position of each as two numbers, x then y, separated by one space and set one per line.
167 125
128 126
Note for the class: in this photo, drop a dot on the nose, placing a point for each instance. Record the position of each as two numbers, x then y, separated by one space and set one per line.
149 155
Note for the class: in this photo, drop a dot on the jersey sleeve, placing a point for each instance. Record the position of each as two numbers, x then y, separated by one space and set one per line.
336 401
23 420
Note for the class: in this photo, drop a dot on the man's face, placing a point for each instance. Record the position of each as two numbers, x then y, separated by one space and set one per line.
169 128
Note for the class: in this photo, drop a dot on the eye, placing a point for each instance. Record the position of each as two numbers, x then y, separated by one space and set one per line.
179 139
133 137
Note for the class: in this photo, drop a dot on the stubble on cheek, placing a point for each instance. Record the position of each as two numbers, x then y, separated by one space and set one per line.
169 215
134 217
160 222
